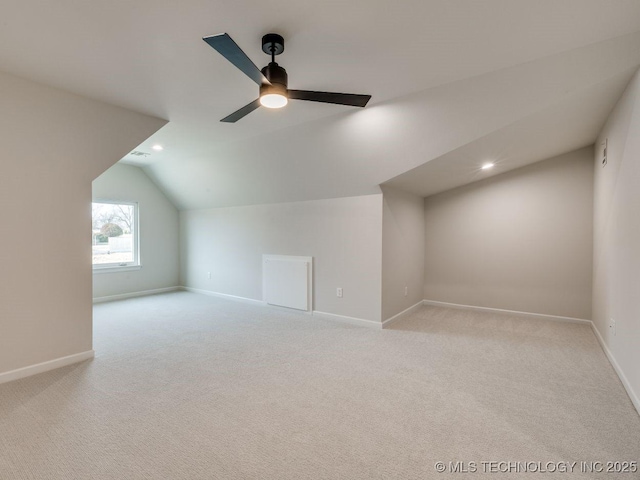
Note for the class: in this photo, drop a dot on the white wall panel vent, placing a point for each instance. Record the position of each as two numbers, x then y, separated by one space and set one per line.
287 281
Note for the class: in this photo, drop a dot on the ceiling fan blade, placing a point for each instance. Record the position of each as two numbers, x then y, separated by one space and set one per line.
230 50
351 99
244 111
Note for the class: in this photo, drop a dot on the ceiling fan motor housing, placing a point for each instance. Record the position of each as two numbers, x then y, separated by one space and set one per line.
278 78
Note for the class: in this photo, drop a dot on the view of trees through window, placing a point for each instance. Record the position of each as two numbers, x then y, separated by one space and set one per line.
113 232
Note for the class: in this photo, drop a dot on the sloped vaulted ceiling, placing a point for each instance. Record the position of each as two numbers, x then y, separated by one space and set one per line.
443 74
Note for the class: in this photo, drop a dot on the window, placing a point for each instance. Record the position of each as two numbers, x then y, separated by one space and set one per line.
114 235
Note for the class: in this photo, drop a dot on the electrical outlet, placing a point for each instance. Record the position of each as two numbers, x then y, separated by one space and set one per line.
339 292
209 275
406 291
612 326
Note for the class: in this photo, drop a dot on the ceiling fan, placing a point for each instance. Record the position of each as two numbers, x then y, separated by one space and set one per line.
272 79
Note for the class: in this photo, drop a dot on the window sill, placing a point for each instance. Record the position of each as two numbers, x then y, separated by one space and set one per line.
116 269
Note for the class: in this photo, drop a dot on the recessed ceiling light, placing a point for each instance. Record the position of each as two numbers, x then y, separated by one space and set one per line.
487 166
158 148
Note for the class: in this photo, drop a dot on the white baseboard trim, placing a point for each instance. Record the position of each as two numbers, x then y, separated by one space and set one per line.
45 366
537 316
323 315
635 399
143 293
350 320
399 316
627 386
223 295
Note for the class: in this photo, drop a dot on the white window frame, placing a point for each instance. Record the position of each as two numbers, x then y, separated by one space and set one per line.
123 267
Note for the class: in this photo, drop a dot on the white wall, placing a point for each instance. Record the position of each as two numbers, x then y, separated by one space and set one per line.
616 260
343 236
403 250
52 145
517 241
158 222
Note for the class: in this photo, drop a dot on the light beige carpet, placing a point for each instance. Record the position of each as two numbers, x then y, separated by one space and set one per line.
186 386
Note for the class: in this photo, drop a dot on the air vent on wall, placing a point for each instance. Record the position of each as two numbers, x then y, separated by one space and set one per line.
138 153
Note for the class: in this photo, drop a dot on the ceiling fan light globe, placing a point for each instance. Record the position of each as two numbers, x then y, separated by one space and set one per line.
273 100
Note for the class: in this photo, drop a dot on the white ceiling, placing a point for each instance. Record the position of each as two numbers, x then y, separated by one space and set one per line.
536 137
421 60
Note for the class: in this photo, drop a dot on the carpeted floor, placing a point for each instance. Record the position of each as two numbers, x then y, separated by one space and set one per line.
186 386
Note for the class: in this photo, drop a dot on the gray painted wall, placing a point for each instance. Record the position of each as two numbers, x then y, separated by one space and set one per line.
52 145
403 251
616 272
342 234
517 241
158 222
